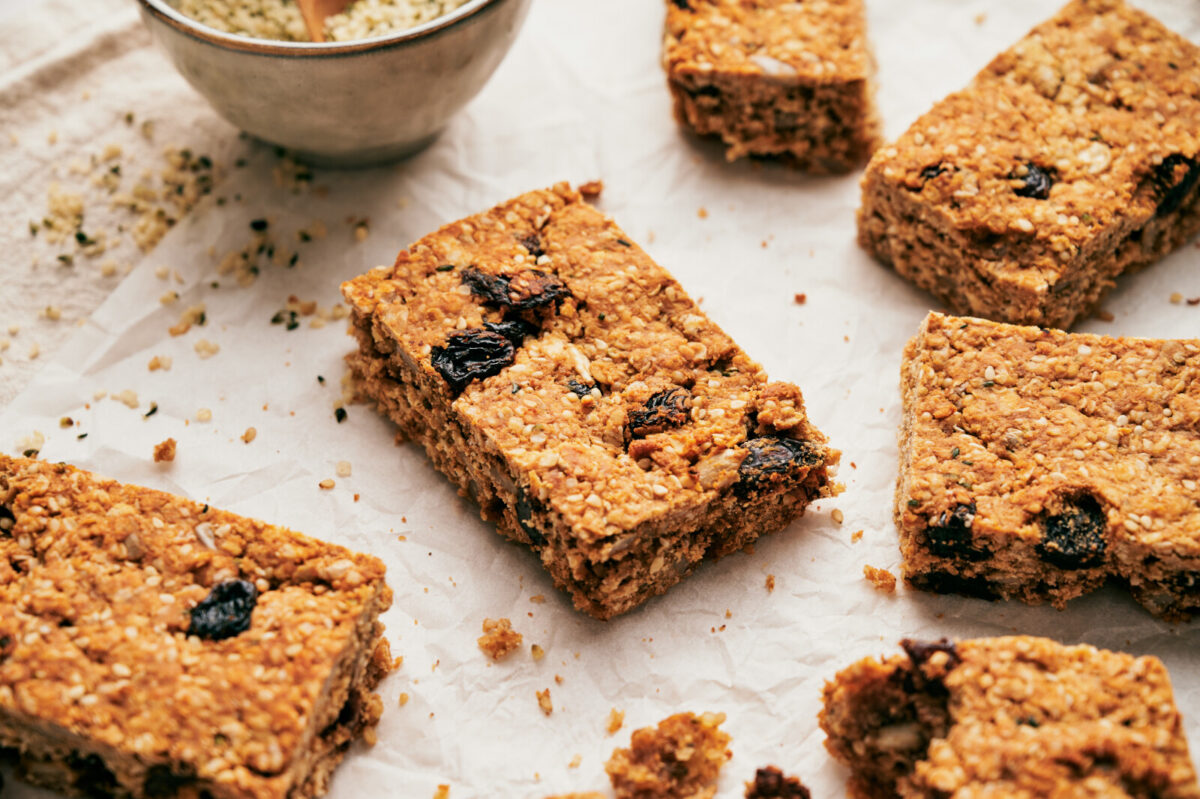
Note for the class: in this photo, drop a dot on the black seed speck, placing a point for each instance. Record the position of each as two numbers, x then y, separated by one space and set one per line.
1175 178
340 415
472 354
933 171
921 651
1074 538
770 460
225 612
684 4
258 224
950 534
662 411
1037 183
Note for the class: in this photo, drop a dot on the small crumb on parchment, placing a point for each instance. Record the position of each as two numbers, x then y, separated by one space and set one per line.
326 484
499 639
770 583
837 516
856 536
249 435
616 720
544 702
882 579
536 652
164 451
442 792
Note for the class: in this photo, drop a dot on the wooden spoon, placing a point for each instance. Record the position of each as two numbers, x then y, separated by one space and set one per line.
315 12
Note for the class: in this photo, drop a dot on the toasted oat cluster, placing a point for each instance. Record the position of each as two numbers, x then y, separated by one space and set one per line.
1013 717
1036 464
152 646
1074 157
681 758
569 385
775 78
499 639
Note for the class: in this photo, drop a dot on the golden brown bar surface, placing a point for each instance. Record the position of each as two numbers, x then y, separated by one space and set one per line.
1014 717
152 646
567 384
775 78
1074 157
1035 464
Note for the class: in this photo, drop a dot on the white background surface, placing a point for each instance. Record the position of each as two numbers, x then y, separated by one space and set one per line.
581 96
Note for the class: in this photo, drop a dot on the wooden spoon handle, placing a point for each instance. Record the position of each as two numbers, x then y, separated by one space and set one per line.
315 12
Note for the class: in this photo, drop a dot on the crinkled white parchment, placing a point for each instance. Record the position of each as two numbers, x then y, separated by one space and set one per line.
581 96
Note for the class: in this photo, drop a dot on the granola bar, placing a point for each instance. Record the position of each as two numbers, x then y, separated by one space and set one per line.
568 385
680 758
1035 464
1072 158
151 646
1012 717
775 78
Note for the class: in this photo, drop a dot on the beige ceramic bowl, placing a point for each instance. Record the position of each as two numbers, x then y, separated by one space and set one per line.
343 103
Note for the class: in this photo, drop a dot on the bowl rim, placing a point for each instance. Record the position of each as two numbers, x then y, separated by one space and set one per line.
188 26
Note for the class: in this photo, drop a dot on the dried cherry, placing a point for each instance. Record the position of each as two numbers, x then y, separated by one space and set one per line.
522 291
1175 179
1037 183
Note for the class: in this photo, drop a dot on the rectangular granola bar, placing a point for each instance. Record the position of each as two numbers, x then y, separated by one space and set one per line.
1036 464
1074 157
775 78
1008 717
152 646
568 385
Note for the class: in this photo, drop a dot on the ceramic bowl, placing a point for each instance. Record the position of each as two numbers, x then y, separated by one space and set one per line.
343 103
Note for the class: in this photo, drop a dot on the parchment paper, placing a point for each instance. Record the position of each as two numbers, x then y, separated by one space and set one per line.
580 97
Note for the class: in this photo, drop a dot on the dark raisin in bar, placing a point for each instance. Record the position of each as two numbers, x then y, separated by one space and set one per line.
1074 157
568 385
1035 464
1014 717
151 646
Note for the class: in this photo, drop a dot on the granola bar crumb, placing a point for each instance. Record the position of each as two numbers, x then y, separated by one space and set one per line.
326 484
616 720
249 435
499 639
158 362
206 349
442 792
770 583
404 699
837 516
544 702
592 189
204 415
856 536
771 783
882 579
575 761
681 757
799 299
536 652
164 451
538 599
343 468
128 398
